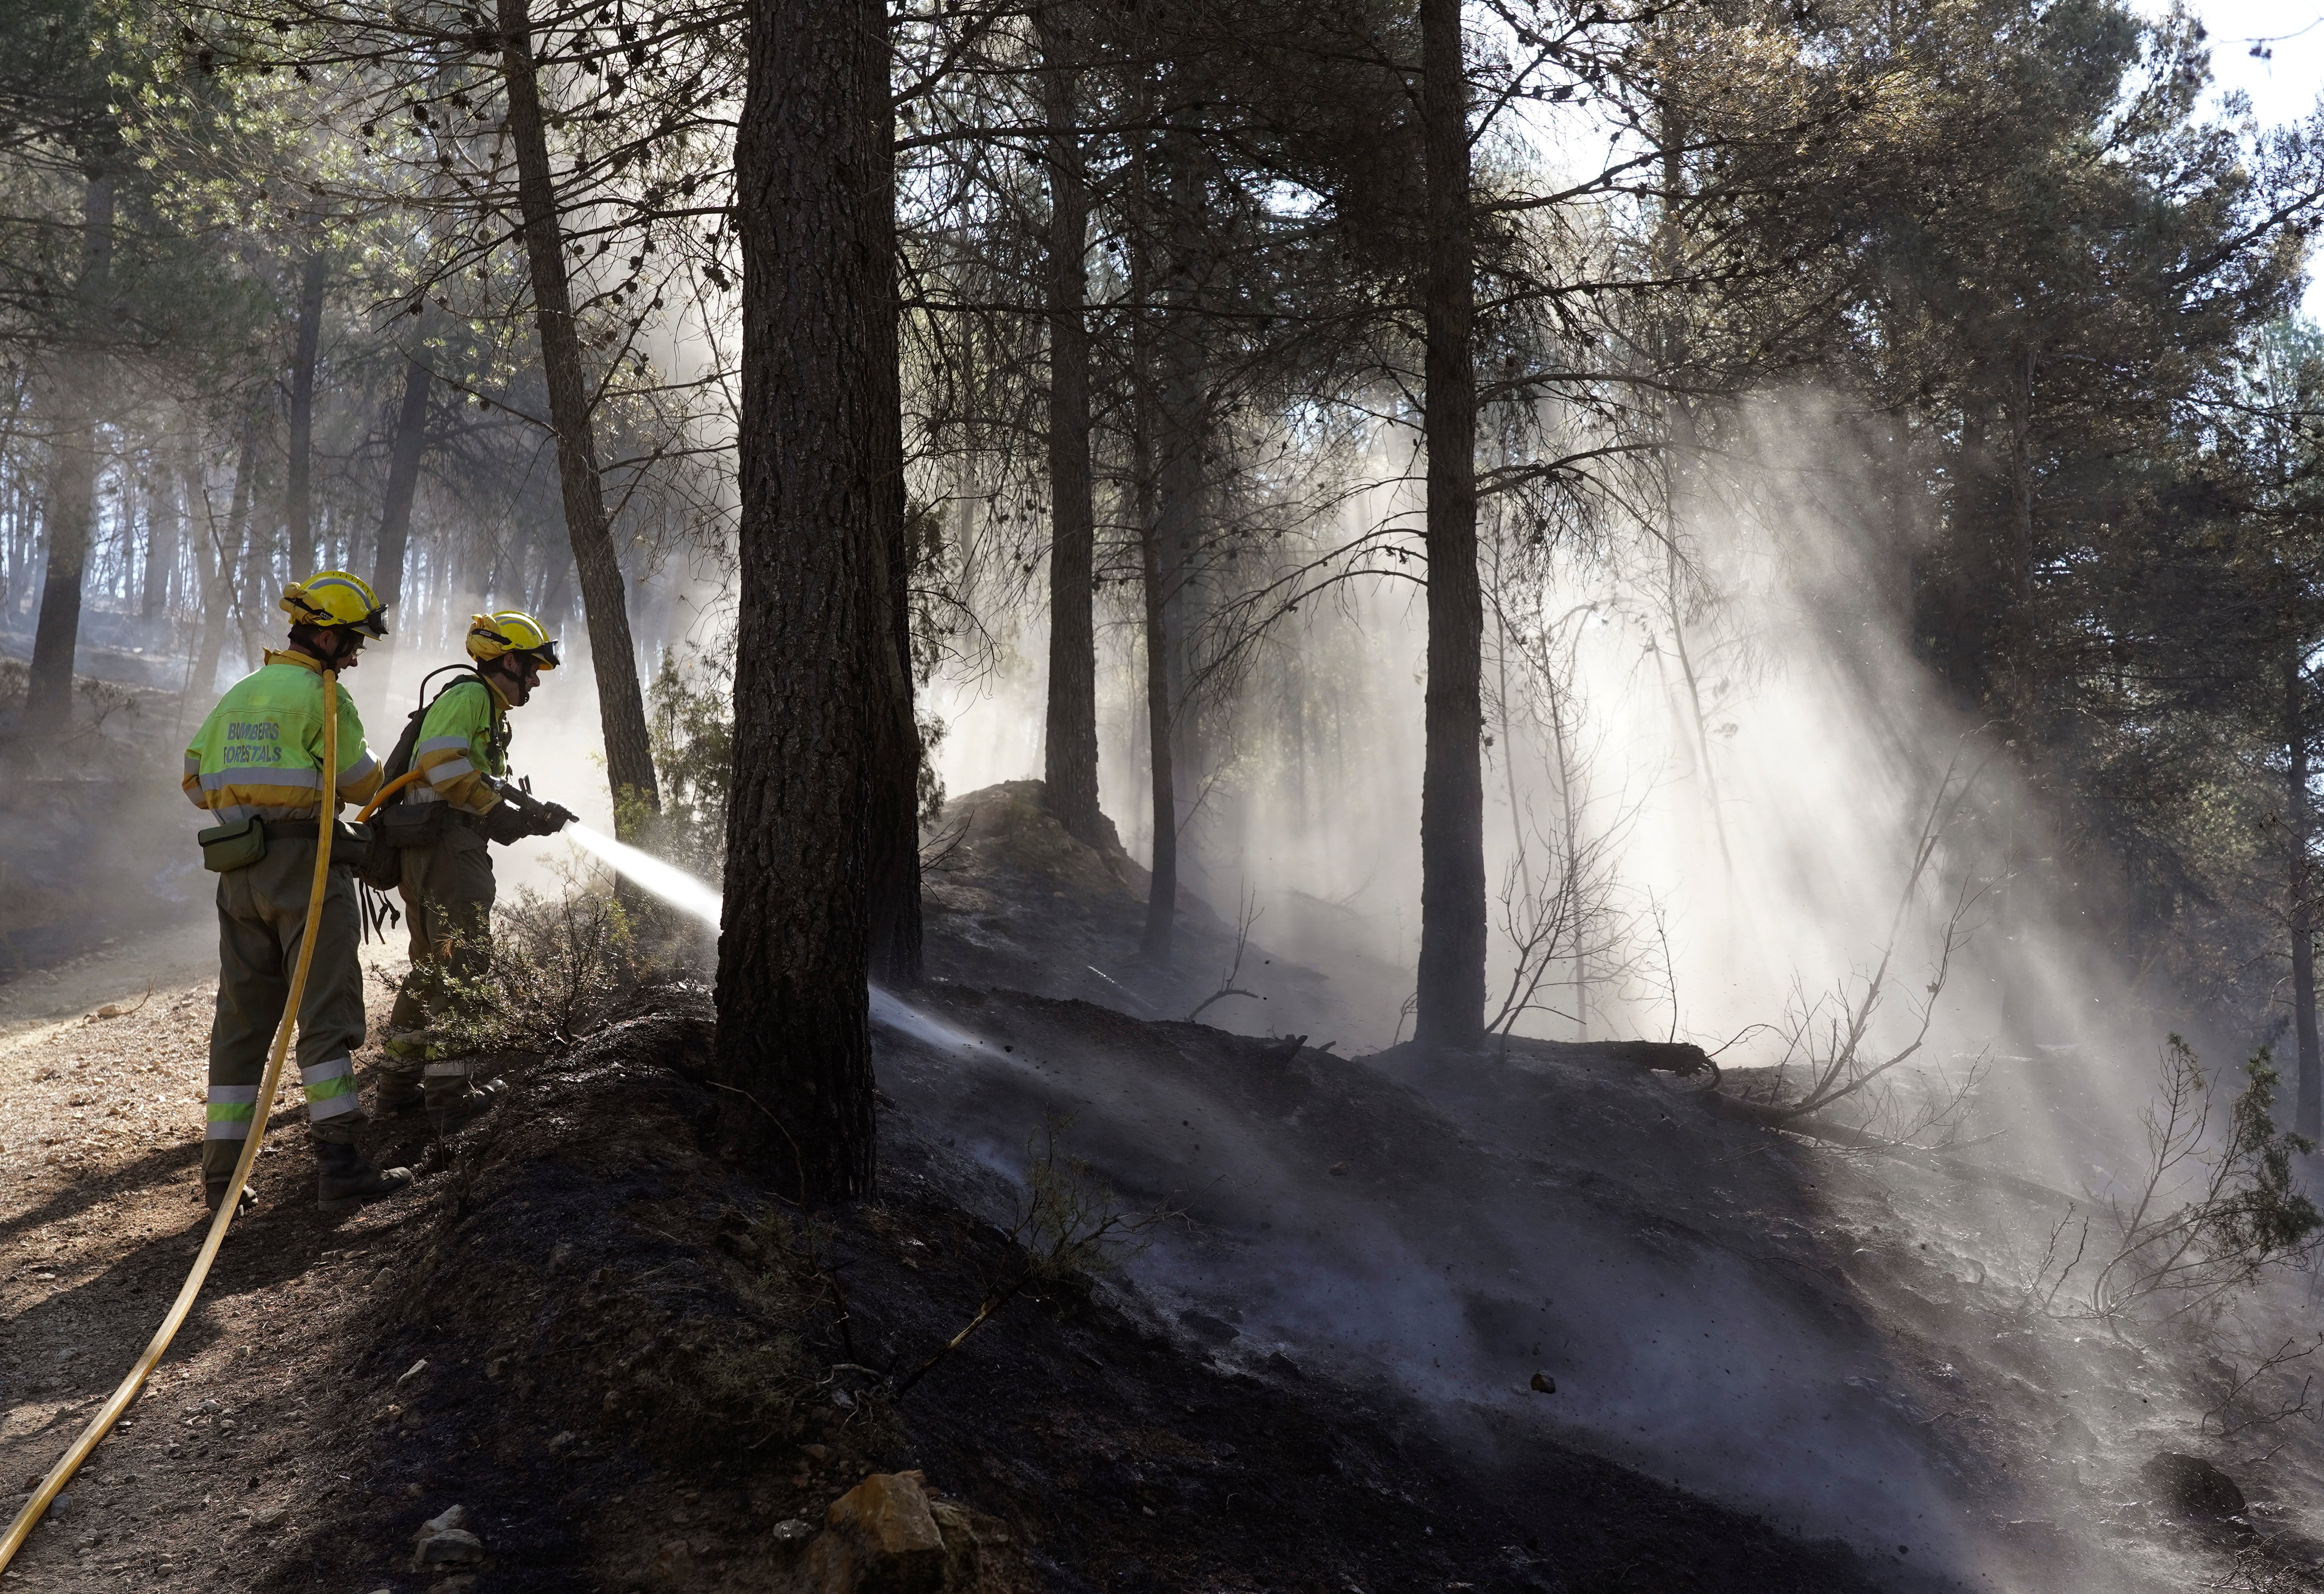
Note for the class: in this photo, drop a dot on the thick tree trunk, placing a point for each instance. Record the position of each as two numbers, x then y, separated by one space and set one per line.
621 702
2308 1109
395 512
1069 765
812 629
895 813
1452 986
298 491
73 479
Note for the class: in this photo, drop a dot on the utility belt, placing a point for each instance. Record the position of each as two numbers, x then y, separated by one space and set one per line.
422 825
401 825
244 841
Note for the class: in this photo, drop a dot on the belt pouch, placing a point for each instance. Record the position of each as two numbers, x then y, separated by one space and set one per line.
238 846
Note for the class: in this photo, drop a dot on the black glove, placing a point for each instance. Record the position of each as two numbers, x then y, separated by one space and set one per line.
504 822
552 818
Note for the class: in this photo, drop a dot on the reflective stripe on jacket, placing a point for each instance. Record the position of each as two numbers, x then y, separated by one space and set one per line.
260 751
464 739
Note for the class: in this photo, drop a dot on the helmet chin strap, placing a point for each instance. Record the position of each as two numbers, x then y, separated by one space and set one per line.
511 682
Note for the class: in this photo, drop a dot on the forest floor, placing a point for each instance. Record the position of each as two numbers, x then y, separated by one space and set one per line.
635 1368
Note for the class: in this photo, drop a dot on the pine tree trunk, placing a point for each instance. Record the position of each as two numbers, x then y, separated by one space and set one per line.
165 519
73 479
1451 985
253 605
1162 888
812 632
621 701
220 550
395 512
895 813
2308 1109
1069 765
1162 891
298 493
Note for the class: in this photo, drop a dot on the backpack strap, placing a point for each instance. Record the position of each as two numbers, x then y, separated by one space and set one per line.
399 761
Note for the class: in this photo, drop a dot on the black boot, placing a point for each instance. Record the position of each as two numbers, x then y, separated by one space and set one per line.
214 1193
398 1094
343 1178
451 1113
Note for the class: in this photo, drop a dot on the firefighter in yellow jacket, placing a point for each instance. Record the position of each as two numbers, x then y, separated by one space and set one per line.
463 801
256 766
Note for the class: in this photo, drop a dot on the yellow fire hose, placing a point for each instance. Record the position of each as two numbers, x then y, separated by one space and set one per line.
102 1423
387 791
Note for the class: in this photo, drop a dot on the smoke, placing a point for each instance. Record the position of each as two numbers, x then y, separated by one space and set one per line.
1713 739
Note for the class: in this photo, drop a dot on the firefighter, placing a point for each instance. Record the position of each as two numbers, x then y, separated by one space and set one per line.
256 766
463 801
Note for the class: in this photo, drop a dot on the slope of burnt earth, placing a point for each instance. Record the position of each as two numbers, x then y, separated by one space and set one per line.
632 1368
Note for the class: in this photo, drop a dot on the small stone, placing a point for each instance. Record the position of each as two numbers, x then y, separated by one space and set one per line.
673 1564
816 1451
456 1547
790 1533
1542 1383
1340 1168
879 1538
412 1372
454 1516
561 1253
562 1441
267 1518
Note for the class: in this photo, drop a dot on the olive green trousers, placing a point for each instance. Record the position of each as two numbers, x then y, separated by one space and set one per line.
262 923
448 892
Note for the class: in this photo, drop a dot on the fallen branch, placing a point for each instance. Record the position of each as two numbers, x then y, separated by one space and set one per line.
1218 995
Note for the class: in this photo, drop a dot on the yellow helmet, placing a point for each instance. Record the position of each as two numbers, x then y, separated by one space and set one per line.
512 631
336 597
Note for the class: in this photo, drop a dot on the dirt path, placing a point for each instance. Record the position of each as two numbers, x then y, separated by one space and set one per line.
100 1215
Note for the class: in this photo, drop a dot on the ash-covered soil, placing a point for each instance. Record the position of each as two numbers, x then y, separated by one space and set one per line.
1531 1320
633 1365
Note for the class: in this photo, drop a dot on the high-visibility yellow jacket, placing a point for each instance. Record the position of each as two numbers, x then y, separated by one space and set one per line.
464 739
260 751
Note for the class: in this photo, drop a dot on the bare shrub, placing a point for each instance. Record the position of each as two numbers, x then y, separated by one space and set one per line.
2214 1208
1829 1041
559 967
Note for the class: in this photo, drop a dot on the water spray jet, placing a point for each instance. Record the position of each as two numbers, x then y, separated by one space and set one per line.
703 902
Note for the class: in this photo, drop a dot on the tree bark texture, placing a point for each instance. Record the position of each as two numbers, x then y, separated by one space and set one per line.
813 637
895 813
1451 1010
621 701
72 477
2308 1106
1069 764
1162 887
402 482
299 493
